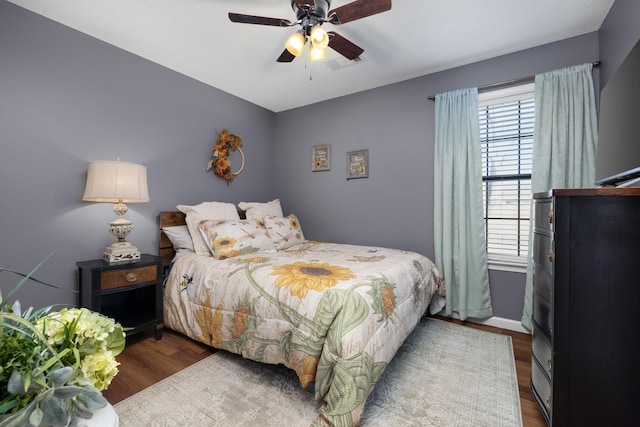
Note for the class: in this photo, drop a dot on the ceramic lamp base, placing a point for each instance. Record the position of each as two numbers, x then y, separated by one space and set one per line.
121 252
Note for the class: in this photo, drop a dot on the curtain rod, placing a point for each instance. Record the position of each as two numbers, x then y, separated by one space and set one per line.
508 82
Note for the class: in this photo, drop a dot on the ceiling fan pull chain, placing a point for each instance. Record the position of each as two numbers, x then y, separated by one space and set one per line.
307 63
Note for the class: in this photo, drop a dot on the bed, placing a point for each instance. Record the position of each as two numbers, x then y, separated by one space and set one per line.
335 314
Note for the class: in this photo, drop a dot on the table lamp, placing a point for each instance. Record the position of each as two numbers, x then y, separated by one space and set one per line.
120 183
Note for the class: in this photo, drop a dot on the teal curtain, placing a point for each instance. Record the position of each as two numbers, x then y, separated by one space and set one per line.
460 249
565 142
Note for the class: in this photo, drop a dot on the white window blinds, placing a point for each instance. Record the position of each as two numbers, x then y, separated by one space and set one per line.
506 132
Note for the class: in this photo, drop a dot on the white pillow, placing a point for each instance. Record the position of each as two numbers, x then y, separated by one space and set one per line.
284 232
204 211
180 238
256 210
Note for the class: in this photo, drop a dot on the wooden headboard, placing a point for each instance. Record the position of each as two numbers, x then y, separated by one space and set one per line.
171 219
168 219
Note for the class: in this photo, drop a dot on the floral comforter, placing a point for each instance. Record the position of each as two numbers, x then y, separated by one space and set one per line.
336 314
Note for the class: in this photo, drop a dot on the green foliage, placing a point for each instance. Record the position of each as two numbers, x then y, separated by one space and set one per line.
43 381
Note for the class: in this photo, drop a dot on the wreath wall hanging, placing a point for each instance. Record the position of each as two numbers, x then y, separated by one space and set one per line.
225 143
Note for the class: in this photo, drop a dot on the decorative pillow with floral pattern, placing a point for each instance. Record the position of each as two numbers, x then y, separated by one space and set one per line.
284 232
227 239
203 211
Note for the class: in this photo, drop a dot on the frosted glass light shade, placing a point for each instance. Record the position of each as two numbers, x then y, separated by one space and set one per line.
319 37
295 44
116 181
317 54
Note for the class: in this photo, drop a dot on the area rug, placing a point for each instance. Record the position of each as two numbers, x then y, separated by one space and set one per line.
444 375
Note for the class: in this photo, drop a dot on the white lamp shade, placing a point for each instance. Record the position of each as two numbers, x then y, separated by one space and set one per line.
319 37
114 181
295 44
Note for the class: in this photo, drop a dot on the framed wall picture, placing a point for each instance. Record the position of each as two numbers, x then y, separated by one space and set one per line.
358 164
321 158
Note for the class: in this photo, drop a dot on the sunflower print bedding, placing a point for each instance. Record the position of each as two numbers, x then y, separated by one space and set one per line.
336 314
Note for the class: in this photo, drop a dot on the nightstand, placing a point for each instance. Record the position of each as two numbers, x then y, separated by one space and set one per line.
130 293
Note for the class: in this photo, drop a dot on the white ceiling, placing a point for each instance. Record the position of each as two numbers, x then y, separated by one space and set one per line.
414 38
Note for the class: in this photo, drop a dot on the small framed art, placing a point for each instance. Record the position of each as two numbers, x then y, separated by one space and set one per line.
358 164
321 158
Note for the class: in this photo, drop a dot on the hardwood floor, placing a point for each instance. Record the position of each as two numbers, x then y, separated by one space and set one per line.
146 361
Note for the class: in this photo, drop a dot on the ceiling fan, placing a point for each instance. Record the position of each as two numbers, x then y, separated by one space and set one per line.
310 15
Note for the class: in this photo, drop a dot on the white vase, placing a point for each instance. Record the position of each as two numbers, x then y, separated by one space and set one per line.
103 417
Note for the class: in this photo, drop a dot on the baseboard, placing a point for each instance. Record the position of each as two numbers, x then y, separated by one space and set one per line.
498 322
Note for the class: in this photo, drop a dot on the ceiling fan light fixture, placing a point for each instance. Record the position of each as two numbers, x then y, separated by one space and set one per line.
310 16
295 43
316 53
319 37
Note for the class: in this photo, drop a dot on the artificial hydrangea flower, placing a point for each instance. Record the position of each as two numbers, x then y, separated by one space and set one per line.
95 339
99 368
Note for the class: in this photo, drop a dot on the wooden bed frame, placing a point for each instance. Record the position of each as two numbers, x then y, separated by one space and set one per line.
165 248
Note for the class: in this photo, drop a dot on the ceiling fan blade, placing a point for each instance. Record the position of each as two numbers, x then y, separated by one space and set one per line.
343 46
286 56
356 10
260 20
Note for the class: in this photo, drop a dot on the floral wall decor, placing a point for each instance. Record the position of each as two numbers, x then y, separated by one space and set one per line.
225 143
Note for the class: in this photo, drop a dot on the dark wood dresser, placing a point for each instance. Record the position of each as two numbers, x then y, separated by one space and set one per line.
586 306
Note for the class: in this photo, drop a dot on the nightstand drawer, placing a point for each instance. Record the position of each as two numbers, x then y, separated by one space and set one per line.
129 277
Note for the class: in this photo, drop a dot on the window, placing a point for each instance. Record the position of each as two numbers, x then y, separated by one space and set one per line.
506 134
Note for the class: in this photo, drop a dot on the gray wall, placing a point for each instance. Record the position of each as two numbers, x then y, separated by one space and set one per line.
67 99
394 206
619 32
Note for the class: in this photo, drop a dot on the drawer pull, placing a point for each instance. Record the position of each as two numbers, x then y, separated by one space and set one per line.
550 217
549 365
131 277
550 255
